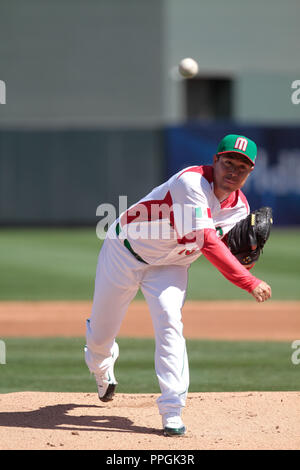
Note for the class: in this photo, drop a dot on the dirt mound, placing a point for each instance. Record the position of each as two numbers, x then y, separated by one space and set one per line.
260 420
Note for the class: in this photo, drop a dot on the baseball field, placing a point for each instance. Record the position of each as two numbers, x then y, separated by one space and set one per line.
244 358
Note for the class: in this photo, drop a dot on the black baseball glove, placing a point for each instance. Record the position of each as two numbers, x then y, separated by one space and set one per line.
248 237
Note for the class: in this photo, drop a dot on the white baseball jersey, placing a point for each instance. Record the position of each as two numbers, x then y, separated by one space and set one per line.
160 227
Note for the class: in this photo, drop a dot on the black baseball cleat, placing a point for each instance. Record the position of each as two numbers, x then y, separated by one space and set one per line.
107 383
109 394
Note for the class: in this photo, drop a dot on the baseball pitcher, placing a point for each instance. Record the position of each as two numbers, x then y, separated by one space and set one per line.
201 210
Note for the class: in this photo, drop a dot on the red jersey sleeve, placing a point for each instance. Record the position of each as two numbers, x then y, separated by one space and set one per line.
221 257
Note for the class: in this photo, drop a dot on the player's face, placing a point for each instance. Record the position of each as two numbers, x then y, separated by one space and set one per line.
230 172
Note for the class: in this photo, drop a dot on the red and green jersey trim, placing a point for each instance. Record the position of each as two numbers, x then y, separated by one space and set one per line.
148 211
207 172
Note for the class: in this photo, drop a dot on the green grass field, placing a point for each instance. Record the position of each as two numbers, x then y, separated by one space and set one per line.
57 264
57 365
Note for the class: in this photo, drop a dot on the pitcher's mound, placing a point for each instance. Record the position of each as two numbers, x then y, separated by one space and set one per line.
247 420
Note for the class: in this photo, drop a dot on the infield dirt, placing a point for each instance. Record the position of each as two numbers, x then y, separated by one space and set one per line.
32 420
233 320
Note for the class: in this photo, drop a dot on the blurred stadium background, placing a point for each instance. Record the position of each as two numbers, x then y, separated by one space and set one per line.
95 109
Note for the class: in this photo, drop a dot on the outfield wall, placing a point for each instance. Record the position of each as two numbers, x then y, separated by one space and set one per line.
275 181
60 177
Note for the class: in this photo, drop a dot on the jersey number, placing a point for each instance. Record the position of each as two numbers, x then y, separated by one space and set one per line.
187 252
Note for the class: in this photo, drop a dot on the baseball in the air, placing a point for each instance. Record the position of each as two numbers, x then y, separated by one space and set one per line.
188 67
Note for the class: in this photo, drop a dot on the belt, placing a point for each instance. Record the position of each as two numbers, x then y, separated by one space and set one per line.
128 246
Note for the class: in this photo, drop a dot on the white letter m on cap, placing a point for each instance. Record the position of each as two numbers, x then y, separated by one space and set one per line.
241 144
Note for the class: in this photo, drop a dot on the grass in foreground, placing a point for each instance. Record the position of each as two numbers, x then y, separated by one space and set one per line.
57 365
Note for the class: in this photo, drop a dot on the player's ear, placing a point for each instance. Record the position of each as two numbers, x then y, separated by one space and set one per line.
216 158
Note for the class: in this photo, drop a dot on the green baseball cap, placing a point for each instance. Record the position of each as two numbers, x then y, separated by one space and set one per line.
239 144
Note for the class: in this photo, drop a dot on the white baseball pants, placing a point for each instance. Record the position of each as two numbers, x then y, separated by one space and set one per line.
118 278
